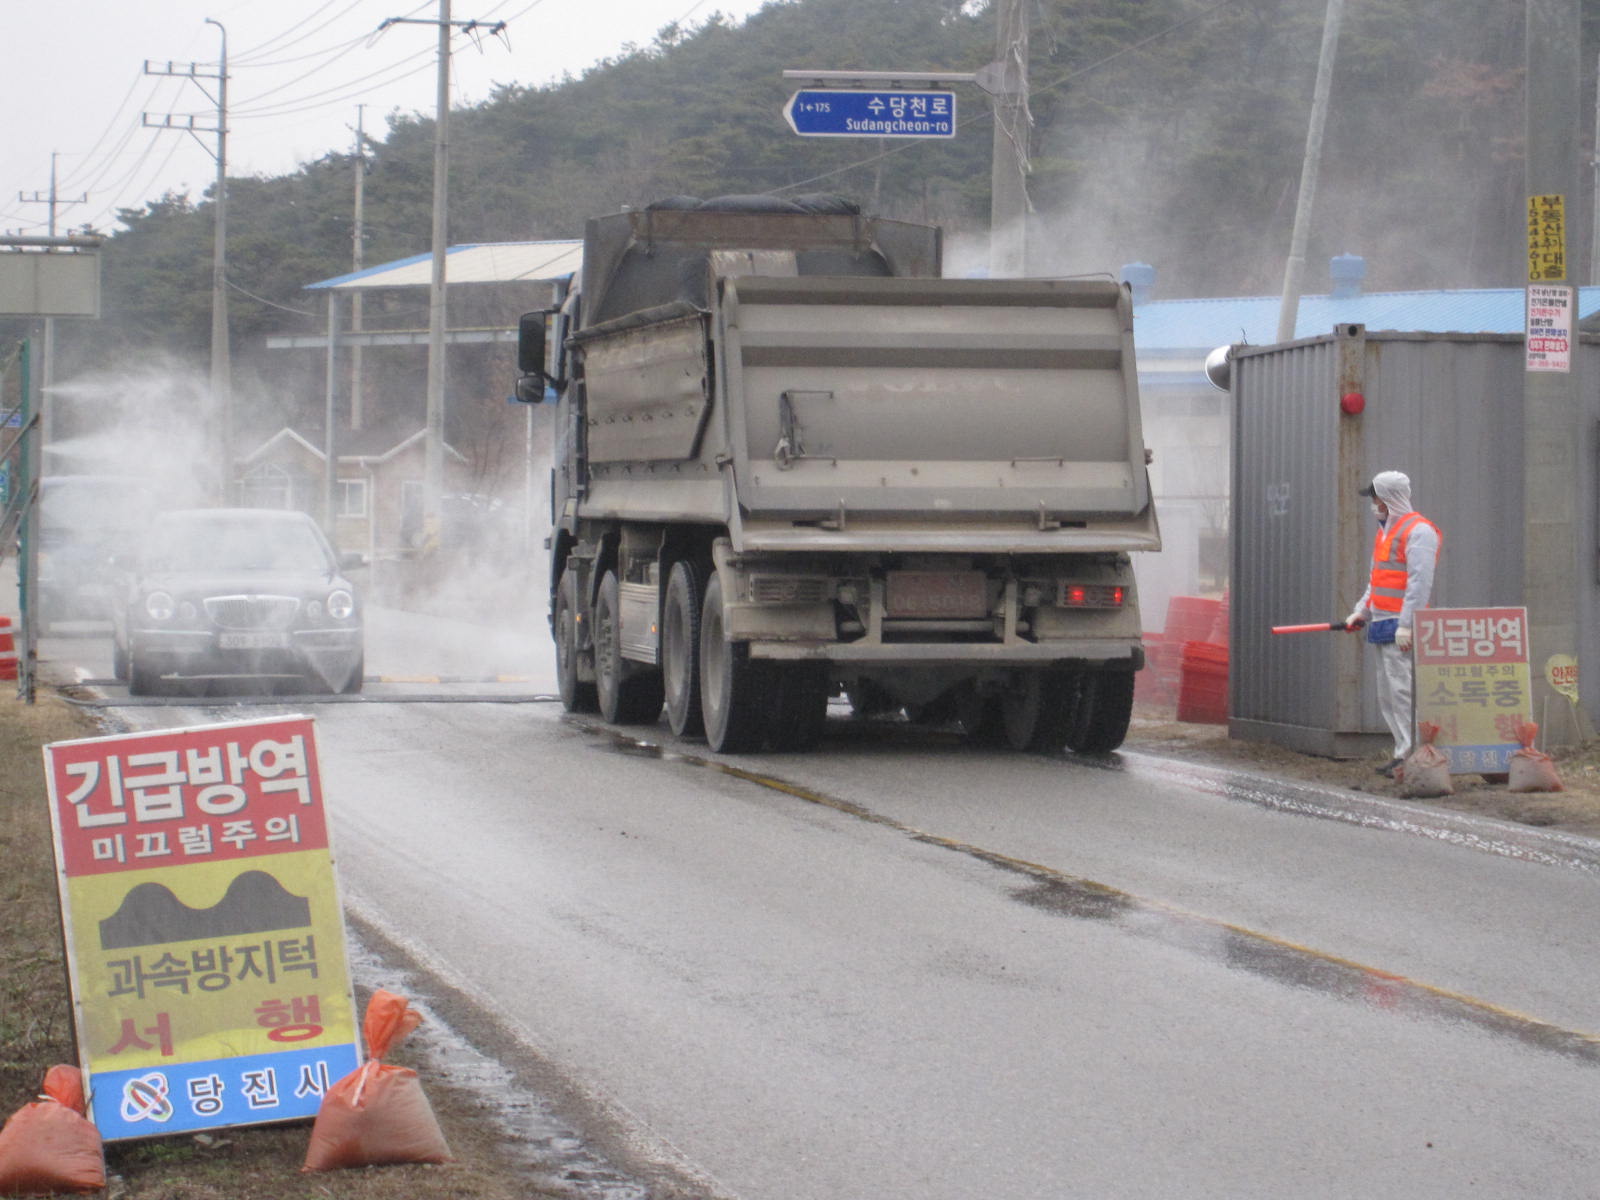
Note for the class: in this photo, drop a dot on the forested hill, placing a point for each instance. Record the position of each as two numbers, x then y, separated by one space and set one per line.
1168 131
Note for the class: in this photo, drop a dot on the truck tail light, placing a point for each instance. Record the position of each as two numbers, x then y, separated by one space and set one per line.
1092 595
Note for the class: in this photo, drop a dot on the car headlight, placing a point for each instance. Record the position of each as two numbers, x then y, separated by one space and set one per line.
341 604
159 606
187 611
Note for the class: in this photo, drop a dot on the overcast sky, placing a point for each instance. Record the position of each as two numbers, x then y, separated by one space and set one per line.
72 81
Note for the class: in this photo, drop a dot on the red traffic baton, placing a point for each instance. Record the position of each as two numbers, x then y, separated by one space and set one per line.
1319 627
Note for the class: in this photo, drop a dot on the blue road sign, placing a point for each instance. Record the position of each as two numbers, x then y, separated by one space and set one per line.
836 112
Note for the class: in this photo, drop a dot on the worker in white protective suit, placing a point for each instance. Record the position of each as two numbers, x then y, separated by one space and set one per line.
1404 554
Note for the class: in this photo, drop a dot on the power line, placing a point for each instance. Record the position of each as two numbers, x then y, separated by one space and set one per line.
122 190
245 109
110 125
276 38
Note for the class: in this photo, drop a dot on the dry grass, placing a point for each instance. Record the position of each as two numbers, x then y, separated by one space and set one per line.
36 1031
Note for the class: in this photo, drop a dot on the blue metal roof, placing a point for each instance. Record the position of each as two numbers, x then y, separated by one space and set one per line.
1205 324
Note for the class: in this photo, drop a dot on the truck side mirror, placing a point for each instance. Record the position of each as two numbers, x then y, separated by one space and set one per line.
530 343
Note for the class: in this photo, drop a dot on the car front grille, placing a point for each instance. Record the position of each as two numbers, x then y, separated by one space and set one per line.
252 612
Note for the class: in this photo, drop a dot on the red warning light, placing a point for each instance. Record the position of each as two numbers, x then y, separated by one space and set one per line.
1352 404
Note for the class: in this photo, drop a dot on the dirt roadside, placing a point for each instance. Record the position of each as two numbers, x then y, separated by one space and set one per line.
1575 810
238 1164
264 1163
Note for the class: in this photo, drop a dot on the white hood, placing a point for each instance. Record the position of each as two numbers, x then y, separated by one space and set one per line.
1394 489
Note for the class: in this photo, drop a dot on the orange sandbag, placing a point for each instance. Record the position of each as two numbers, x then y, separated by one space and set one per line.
49 1146
1427 772
377 1114
1532 770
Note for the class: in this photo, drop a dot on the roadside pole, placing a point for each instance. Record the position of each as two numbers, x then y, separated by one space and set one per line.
32 460
1553 431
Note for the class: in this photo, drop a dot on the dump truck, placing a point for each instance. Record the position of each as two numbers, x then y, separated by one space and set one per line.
792 462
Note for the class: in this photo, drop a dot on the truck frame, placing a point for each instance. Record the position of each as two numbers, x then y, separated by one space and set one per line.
792 461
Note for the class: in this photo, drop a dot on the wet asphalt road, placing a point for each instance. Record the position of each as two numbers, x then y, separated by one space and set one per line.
900 968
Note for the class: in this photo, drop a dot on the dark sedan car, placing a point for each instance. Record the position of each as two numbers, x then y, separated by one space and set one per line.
236 593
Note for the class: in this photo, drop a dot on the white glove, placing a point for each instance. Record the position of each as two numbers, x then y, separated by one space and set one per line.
1402 638
1356 619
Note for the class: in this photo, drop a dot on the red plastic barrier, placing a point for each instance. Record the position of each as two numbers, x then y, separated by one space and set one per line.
1191 619
1203 690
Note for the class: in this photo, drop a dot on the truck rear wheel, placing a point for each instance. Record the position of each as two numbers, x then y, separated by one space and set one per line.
980 717
576 696
680 648
800 708
733 686
629 694
1039 708
1101 716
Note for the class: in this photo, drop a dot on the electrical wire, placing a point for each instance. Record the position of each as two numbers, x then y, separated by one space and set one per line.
343 89
335 55
120 189
83 164
244 56
304 312
299 58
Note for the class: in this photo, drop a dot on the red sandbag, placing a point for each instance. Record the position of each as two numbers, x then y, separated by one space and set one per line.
377 1115
1532 770
1427 772
49 1146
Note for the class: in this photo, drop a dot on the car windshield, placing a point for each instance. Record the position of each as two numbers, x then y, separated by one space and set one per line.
235 544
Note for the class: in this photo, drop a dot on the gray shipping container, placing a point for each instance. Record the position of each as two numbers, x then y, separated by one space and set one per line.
1446 409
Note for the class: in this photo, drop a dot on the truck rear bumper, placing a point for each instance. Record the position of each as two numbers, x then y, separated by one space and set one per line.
1101 653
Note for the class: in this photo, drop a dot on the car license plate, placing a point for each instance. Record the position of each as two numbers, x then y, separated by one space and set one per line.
951 594
258 639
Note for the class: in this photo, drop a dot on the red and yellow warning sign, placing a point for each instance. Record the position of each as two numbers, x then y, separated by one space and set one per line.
204 933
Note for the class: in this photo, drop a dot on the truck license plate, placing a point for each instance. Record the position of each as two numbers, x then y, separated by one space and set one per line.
951 594
261 639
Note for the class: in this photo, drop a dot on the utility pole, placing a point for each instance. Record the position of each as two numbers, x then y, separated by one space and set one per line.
358 256
433 445
221 363
1294 270
48 374
1553 430
1594 197
1008 189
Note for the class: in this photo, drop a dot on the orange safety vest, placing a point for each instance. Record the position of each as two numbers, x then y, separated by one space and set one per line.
1389 563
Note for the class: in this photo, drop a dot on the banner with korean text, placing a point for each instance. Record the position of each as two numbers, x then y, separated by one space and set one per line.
1473 681
205 939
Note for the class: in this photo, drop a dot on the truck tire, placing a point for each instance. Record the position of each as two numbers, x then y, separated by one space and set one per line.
1105 705
800 706
980 717
680 648
576 696
1039 709
733 686
119 661
629 693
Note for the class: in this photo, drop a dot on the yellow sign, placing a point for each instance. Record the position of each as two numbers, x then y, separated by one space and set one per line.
1547 238
1561 670
1473 682
205 940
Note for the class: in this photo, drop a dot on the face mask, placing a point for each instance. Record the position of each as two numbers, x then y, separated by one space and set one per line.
1379 511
